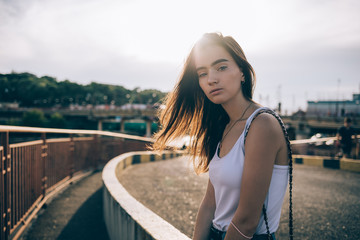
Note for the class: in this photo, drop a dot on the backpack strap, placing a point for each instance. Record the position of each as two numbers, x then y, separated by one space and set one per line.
269 111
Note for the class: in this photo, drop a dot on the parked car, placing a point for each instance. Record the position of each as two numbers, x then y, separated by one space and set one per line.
317 136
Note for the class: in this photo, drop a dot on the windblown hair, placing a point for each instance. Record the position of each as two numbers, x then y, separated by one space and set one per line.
189 112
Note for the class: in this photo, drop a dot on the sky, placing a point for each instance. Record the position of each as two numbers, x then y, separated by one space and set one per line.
300 49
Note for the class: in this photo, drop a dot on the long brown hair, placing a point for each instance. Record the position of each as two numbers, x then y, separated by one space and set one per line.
189 112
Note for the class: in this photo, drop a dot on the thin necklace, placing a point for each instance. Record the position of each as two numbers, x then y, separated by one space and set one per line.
240 119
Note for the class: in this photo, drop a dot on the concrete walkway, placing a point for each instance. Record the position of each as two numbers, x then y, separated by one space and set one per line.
76 213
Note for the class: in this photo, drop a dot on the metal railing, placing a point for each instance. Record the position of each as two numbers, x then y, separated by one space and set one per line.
33 171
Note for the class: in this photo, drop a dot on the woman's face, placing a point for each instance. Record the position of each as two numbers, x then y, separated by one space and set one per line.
219 75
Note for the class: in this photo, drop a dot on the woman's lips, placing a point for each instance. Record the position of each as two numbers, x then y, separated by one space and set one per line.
215 91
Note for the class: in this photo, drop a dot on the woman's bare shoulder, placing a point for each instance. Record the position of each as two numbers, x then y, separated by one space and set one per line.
266 127
265 120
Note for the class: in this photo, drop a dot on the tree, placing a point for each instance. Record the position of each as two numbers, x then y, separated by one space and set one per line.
34 118
57 121
44 92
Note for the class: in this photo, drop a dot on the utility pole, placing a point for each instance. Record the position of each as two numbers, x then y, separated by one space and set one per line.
337 98
279 98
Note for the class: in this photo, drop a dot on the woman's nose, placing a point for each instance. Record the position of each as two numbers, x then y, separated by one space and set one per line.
212 78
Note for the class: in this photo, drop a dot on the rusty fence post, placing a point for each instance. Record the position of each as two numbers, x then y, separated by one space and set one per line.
71 156
43 159
5 175
95 149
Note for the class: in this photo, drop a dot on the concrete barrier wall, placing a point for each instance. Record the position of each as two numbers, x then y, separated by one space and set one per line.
328 162
125 217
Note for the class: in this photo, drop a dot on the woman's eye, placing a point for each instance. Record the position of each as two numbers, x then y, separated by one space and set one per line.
222 68
202 75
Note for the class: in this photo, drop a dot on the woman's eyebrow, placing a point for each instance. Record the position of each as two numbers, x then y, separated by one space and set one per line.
214 63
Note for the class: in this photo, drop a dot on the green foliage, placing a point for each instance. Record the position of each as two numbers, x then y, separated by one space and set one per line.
152 95
14 122
57 121
34 118
31 91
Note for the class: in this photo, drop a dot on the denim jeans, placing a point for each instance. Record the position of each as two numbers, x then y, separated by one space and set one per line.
220 235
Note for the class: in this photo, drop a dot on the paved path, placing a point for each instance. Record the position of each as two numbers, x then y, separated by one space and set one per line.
326 202
76 213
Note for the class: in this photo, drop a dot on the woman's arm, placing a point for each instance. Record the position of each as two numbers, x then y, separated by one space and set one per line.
205 215
263 143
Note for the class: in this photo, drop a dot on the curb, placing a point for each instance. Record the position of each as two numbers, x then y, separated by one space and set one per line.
144 157
125 217
328 162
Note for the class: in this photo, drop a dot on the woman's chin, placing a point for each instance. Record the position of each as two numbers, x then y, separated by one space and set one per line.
217 101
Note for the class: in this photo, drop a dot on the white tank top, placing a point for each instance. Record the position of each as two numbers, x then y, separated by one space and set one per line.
225 175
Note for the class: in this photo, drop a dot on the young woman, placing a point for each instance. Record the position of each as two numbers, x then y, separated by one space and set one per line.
239 142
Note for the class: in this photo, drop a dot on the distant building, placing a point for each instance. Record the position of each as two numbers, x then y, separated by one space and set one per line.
134 106
9 105
334 108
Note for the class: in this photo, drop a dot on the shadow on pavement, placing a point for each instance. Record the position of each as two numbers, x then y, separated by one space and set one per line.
88 221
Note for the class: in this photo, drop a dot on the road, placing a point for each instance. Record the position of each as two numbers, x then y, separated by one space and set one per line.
326 204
